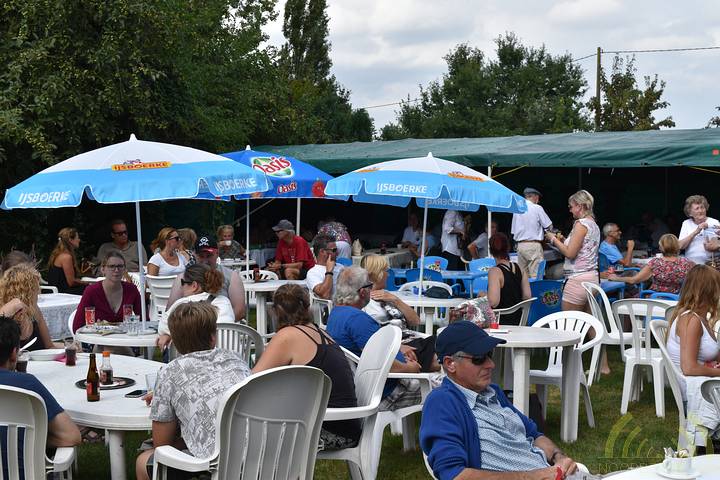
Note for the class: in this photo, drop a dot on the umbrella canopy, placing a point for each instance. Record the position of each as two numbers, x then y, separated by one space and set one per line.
134 171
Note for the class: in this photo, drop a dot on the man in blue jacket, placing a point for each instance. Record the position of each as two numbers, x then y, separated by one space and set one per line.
470 429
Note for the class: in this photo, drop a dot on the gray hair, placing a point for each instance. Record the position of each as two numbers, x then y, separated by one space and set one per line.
689 201
349 282
607 228
584 199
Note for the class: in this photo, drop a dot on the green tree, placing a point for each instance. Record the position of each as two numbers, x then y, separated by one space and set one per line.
714 121
306 53
525 91
624 105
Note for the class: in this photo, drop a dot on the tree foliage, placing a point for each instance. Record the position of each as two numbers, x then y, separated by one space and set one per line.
525 91
624 105
714 121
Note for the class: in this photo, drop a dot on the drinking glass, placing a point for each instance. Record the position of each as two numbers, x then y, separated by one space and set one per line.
151 381
89 316
133 325
70 352
22 361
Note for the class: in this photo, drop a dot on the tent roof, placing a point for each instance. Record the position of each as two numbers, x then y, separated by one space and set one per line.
653 148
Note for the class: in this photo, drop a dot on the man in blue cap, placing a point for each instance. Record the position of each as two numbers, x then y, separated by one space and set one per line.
470 429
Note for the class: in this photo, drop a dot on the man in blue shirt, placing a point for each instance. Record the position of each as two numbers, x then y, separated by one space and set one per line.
470 428
62 431
351 328
609 246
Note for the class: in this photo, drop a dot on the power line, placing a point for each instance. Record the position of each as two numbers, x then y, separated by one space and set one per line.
391 104
650 50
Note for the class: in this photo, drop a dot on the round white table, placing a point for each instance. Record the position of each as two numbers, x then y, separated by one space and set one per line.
262 290
705 465
522 340
117 339
429 306
113 412
56 309
237 263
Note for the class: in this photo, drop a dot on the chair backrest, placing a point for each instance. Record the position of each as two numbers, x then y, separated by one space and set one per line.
549 299
247 275
70 321
603 262
160 287
576 322
23 409
602 309
435 263
413 275
48 289
641 311
374 365
711 392
320 309
242 339
425 285
479 284
664 296
134 277
525 306
541 270
481 264
390 284
345 262
268 426
659 330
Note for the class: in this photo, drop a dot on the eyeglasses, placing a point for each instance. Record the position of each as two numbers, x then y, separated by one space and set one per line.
369 285
115 267
173 238
478 360
185 282
120 234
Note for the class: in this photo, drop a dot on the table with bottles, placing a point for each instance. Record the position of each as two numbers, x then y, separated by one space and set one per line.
113 412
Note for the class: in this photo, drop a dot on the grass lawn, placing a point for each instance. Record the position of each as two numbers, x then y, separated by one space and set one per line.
616 443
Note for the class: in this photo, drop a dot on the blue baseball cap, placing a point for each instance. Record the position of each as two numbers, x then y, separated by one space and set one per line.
464 336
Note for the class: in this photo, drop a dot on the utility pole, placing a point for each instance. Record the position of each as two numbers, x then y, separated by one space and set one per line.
597 90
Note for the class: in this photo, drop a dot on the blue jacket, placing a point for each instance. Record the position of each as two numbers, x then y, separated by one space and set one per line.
449 433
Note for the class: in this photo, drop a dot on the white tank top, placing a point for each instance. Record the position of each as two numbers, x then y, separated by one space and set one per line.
708 345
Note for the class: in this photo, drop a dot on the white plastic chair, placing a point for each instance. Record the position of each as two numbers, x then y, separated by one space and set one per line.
48 289
159 293
267 426
524 306
426 284
26 409
641 352
659 329
370 375
711 392
248 275
613 329
320 309
575 322
242 339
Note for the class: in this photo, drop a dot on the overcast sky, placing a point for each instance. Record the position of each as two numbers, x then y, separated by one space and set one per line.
382 50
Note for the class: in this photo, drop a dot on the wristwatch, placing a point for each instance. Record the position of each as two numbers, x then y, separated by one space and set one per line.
329 273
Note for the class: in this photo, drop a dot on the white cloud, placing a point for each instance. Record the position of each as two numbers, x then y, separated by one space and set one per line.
583 10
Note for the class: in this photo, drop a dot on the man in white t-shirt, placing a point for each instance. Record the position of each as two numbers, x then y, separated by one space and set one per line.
528 230
321 278
453 228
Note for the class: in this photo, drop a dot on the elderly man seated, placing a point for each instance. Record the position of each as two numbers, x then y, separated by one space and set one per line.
470 429
351 328
609 246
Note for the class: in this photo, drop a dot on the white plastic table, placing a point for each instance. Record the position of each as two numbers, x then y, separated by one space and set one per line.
236 263
56 308
113 412
428 306
117 339
262 291
705 465
522 340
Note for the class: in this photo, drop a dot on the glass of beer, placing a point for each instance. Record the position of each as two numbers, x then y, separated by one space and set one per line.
89 316
70 352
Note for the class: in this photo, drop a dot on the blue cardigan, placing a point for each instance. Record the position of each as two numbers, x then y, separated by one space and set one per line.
449 433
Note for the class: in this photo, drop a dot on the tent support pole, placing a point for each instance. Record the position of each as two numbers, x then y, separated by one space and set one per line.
489 224
143 313
422 252
297 217
247 234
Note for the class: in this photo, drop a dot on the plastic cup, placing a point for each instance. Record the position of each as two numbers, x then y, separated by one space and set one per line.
70 352
127 310
151 381
133 325
22 361
89 316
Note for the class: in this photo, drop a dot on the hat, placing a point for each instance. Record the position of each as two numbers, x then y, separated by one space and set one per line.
531 191
206 242
284 225
464 336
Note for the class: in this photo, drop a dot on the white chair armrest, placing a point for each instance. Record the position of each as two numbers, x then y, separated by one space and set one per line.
63 459
412 376
349 413
172 457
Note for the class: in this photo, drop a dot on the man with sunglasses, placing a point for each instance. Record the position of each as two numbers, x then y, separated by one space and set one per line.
120 243
321 278
469 427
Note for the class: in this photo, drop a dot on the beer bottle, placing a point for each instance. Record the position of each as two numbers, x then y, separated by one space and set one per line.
92 381
106 370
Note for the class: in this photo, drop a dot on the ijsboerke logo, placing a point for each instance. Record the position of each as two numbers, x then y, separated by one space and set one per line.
274 166
137 164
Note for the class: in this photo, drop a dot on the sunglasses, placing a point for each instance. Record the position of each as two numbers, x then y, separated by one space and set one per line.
477 360
120 234
369 285
185 282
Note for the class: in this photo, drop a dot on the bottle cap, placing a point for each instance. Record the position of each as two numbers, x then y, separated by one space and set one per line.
106 353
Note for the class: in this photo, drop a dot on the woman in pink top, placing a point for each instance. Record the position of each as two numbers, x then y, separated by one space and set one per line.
580 250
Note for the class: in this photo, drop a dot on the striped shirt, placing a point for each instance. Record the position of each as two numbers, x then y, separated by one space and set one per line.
504 442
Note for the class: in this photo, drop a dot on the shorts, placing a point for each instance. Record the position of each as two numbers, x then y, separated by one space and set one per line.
574 292
173 474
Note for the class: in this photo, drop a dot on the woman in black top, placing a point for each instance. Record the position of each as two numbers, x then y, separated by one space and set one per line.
507 283
300 342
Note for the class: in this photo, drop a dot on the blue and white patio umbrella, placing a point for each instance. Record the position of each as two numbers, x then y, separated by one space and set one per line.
135 171
432 182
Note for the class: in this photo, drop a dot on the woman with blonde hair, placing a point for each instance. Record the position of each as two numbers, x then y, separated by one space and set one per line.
698 229
166 261
692 345
22 282
63 270
580 250
383 305
667 272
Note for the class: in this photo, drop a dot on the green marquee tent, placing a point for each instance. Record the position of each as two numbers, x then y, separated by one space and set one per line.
654 148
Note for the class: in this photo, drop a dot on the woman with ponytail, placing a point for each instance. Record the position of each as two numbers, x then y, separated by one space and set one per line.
63 270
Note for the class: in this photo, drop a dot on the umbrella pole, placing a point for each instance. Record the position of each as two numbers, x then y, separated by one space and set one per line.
143 313
422 251
247 235
489 225
297 217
